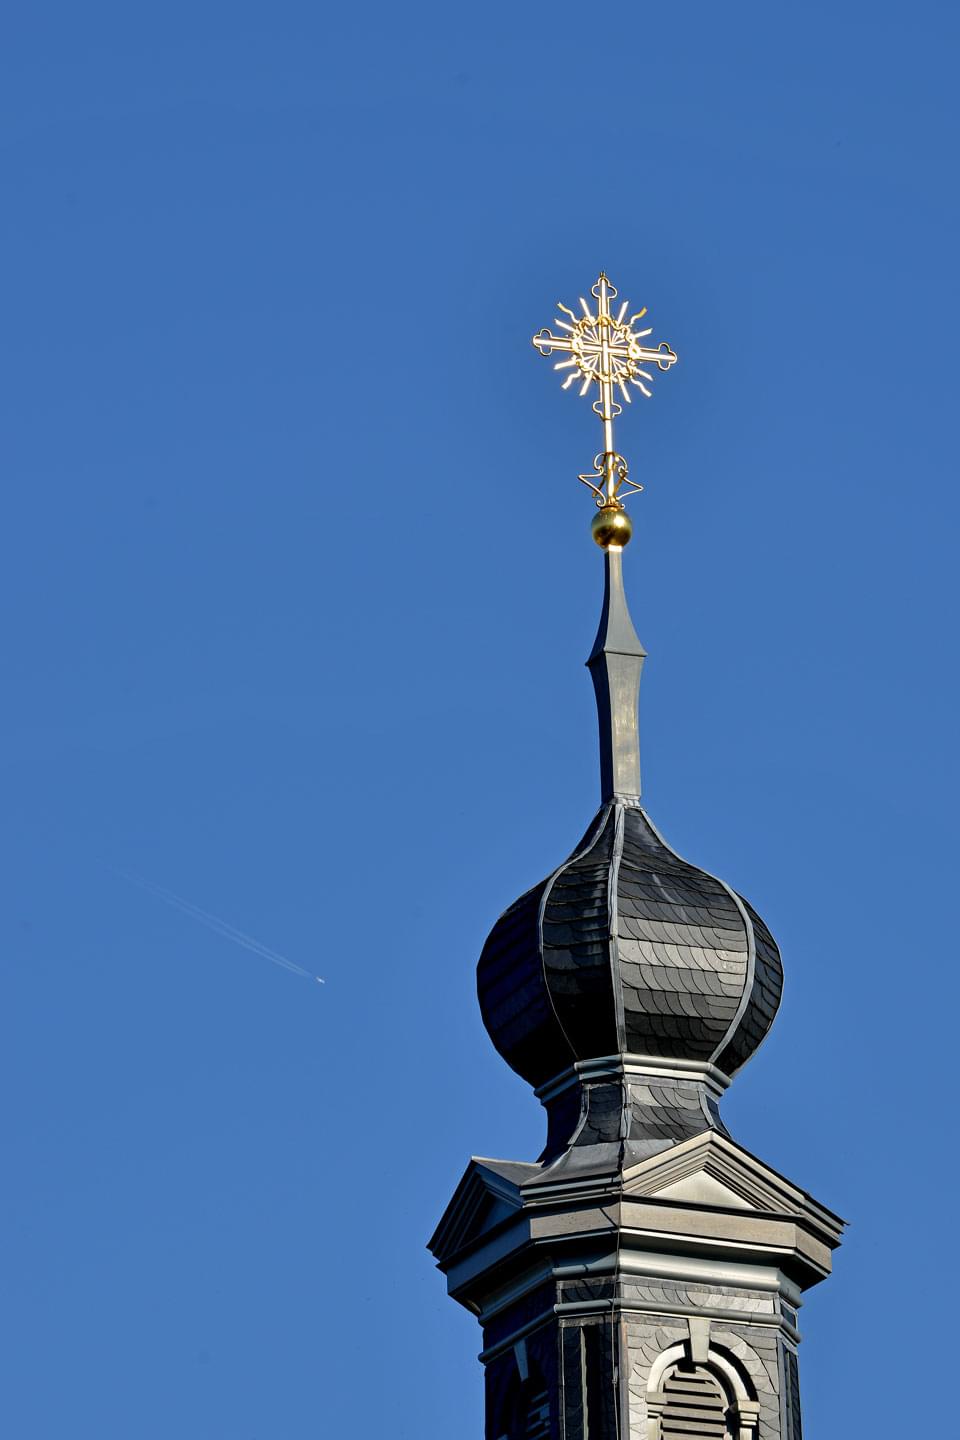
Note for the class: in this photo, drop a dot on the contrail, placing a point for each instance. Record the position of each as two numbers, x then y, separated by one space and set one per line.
218 926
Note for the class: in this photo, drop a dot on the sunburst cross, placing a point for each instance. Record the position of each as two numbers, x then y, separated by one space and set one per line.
605 350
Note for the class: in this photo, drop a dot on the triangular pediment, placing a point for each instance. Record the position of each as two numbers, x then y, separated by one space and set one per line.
712 1170
703 1188
488 1195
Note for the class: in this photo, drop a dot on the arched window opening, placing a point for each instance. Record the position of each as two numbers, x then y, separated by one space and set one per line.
536 1420
526 1412
694 1404
710 1398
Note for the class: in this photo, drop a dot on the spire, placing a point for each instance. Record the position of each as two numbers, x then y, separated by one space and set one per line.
615 663
627 988
607 350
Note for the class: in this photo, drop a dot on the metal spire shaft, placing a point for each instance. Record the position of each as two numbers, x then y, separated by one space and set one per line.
615 663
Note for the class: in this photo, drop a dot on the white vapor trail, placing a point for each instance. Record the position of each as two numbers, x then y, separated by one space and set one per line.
218 926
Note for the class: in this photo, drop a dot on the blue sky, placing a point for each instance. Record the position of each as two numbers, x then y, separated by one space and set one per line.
297 587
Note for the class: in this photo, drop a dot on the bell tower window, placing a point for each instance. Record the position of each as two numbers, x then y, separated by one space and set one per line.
708 1397
536 1417
694 1405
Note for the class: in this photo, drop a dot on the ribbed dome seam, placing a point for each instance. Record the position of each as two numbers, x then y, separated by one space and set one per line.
741 1010
627 947
613 942
587 846
747 995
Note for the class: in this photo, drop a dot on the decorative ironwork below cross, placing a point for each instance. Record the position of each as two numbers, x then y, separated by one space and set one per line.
605 350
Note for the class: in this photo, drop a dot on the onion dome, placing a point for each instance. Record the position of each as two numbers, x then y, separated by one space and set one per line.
626 952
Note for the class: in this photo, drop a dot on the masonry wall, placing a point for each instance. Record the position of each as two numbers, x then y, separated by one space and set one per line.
590 1346
658 1317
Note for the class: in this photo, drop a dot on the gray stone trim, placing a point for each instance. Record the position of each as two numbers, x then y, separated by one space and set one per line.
627 1308
650 1266
629 1065
521 1333
701 1270
761 1185
638 1308
750 1381
764 1375
506 1295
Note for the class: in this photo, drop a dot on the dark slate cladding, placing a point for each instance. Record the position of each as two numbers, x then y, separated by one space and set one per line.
575 945
514 1000
638 1118
564 1113
601 1117
536 1304
764 997
627 948
668 1112
791 1380
589 1393
682 946
525 1409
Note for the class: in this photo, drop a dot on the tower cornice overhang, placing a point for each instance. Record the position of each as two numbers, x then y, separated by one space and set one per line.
768 1226
630 1239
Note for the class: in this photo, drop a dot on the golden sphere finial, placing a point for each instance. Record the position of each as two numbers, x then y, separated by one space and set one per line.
611 526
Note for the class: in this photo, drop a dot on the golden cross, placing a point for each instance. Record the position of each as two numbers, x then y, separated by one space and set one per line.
606 350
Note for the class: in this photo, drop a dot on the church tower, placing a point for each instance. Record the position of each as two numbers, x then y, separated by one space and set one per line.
641 1279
